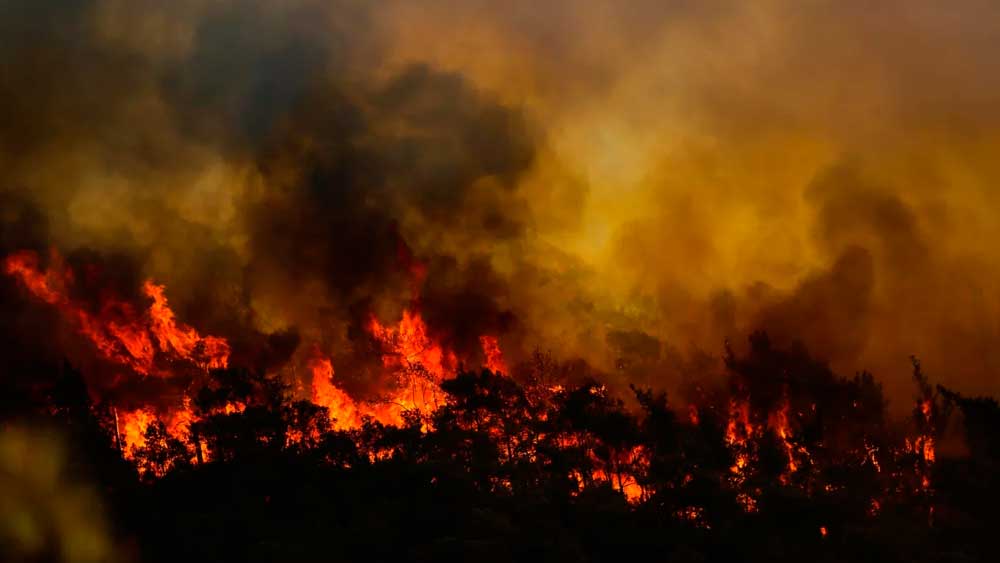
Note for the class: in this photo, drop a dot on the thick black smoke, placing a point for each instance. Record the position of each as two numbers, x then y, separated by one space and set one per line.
256 160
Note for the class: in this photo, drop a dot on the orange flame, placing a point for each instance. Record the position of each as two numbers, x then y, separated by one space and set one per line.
923 444
782 428
119 333
132 425
24 265
739 430
132 429
408 345
179 338
343 411
494 357
419 363
926 441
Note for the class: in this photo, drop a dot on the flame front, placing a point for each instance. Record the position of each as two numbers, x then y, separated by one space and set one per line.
120 333
148 339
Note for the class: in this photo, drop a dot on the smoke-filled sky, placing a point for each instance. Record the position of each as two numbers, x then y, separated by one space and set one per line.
608 180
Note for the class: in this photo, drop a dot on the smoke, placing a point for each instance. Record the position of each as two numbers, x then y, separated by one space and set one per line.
631 184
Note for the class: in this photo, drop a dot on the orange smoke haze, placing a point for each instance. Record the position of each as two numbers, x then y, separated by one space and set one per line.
339 191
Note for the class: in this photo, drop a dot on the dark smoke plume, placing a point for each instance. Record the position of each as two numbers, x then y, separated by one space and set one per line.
626 185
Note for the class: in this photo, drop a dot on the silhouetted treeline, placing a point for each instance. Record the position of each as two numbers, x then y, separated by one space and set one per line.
783 461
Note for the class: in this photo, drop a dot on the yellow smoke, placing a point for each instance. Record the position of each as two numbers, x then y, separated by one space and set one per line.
822 170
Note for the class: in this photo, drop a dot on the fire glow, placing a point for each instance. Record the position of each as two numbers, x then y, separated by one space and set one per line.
118 330
147 340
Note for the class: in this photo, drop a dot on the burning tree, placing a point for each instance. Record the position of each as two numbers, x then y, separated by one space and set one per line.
780 448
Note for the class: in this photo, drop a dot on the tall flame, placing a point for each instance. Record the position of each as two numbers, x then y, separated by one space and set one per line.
179 338
408 345
119 332
494 357
343 410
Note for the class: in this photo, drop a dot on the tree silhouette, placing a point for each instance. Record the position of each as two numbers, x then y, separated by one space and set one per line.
552 464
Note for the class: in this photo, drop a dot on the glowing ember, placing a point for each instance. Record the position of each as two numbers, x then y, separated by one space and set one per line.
693 415
739 431
925 443
741 436
620 471
871 456
784 433
746 501
779 422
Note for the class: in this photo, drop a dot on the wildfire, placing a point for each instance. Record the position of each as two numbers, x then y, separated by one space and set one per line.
132 429
149 339
796 454
741 434
120 333
44 285
739 431
418 363
871 456
739 428
784 433
923 444
343 410
132 425
408 346
621 472
494 357
182 340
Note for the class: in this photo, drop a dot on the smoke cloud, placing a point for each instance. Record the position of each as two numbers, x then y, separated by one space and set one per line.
631 184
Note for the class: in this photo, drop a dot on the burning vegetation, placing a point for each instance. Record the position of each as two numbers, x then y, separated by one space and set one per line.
298 280
778 456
